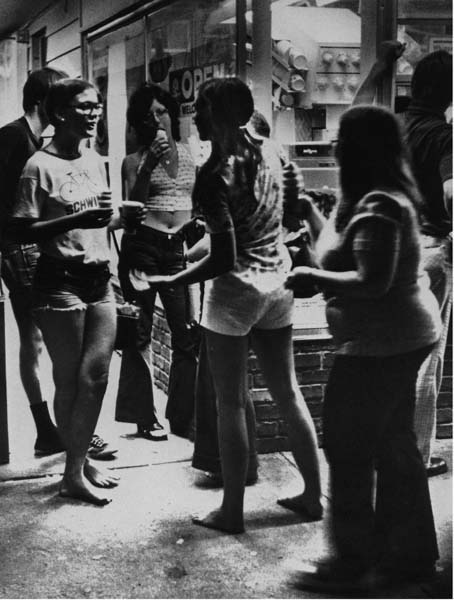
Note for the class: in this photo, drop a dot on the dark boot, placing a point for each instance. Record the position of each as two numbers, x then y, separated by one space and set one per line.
47 441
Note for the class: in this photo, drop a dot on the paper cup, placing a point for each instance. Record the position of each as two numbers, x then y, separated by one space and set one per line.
129 210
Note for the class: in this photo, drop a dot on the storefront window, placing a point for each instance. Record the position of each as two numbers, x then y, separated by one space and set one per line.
177 47
425 9
116 64
189 42
316 60
424 26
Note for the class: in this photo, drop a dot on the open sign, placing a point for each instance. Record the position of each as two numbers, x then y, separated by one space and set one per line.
184 83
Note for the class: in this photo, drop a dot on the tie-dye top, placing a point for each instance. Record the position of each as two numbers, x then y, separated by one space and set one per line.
168 193
228 202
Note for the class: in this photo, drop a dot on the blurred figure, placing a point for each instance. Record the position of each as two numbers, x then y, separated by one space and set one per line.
384 321
161 175
429 137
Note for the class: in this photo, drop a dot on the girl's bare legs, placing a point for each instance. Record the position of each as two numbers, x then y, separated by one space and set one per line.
80 344
274 349
228 364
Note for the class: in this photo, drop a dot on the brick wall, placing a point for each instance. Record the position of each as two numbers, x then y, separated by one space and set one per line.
444 402
161 350
313 358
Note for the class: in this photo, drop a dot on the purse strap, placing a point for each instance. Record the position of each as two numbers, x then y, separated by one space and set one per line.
115 242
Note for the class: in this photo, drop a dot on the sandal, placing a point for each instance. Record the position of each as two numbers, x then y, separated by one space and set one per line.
155 432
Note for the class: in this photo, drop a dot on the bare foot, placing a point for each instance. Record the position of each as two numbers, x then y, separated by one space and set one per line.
299 504
216 520
99 478
79 491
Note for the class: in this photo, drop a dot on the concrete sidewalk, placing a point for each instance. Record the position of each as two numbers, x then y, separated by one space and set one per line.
143 545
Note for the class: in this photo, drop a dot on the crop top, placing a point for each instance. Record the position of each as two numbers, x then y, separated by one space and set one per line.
168 193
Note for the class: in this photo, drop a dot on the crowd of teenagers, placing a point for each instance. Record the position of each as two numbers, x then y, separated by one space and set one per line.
383 264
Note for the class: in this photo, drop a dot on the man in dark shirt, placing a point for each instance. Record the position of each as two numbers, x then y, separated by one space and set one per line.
18 141
430 141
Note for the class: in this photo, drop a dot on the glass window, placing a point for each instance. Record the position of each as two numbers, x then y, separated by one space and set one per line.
424 26
116 64
177 47
189 42
425 9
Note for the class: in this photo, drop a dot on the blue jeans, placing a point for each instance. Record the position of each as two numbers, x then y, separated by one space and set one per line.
163 254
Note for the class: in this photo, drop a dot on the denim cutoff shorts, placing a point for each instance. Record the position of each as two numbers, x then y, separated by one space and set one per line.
65 285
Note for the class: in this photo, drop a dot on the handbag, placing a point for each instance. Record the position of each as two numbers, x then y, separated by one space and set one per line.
128 313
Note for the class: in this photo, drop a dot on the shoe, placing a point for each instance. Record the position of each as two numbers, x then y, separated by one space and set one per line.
181 430
155 432
214 479
437 466
100 449
48 446
333 576
386 578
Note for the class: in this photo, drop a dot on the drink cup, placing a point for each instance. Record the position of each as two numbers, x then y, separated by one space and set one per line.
291 183
105 199
161 134
130 210
295 202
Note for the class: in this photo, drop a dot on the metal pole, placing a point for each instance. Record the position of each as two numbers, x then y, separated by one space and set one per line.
241 34
387 30
4 442
261 56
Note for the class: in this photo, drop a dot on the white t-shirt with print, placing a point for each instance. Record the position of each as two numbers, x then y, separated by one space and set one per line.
51 187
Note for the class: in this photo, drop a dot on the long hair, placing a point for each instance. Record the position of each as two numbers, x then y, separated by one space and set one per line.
371 156
231 106
139 107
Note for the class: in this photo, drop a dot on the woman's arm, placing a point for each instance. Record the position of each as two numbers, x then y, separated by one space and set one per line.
375 266
221 259
299 204
313 217
25 230
388 53
199 250
128 175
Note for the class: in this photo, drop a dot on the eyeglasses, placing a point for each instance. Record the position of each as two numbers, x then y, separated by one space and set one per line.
88 108
155 114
